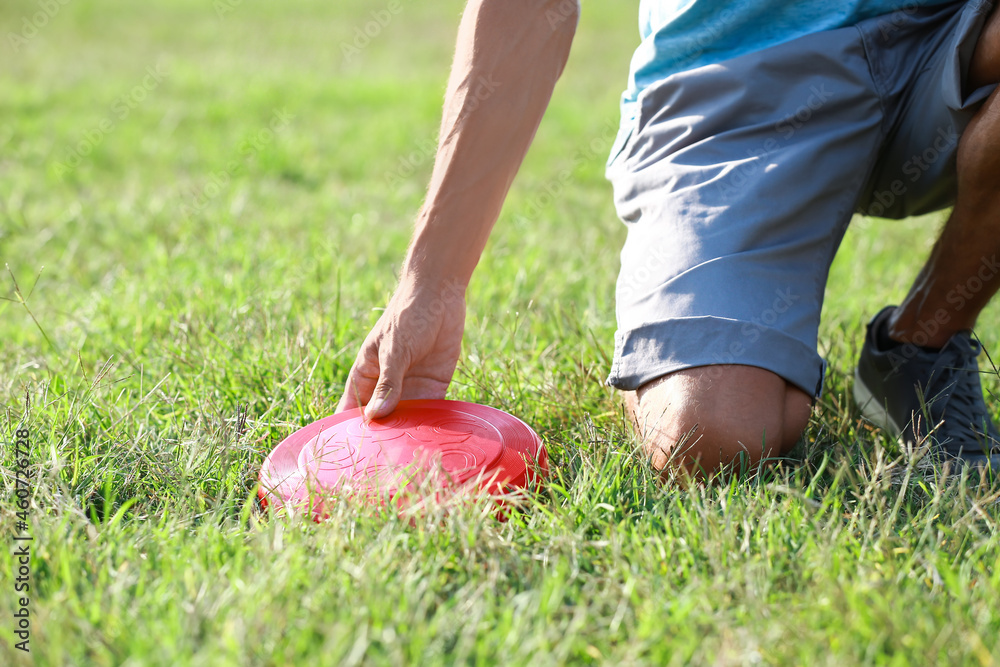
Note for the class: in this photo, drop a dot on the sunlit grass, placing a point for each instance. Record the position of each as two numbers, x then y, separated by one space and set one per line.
189 313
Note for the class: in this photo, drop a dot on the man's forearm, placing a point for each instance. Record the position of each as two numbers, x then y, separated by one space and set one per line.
508 57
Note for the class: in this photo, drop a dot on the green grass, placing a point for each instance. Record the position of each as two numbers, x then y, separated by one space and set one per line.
185 322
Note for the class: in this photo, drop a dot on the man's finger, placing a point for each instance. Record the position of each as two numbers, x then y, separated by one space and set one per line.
357 391
388 391
347 401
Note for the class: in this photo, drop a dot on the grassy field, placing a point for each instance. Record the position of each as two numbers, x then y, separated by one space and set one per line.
202 207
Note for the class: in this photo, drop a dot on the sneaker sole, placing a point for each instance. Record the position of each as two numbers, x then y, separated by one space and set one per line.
871 408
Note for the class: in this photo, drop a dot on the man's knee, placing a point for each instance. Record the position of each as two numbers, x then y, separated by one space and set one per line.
706 418
977 160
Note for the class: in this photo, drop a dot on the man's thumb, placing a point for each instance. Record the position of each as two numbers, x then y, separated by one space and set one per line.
385 398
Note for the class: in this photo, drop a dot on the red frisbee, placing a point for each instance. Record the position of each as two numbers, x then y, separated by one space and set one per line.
448 444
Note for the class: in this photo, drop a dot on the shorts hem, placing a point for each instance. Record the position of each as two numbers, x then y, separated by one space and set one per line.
653 350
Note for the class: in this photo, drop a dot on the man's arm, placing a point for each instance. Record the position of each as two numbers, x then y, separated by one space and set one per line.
508 57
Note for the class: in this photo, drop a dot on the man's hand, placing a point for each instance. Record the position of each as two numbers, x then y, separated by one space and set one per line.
507 60
411 352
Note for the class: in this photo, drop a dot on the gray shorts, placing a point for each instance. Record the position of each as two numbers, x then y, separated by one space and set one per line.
738 180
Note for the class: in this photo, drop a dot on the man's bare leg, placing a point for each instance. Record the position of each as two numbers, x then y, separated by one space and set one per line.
960 276
705 418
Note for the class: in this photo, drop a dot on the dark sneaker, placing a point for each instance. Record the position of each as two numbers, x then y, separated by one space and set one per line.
914 392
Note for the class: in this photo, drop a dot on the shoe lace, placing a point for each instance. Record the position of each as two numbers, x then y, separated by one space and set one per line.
957 390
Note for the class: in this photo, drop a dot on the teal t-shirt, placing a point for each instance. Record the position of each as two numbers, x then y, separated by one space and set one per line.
679 35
